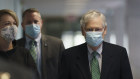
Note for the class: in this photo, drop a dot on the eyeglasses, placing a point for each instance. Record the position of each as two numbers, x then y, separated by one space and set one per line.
94 29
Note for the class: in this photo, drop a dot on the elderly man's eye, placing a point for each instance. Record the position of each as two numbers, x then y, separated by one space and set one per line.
36 21
97 29
94 29
89 29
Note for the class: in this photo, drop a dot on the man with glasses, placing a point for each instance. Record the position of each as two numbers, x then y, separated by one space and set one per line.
95 59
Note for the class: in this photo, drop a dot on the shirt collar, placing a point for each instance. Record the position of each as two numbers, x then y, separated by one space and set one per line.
99 50
37 39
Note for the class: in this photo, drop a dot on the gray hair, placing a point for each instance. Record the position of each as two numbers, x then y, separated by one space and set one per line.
91 15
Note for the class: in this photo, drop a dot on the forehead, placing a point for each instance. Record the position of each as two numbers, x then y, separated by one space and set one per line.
7 17
95 22
33 15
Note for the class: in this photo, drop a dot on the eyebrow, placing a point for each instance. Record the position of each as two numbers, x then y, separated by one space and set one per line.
5 21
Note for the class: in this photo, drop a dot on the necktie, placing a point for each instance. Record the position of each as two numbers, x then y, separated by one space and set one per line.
95 67
33 51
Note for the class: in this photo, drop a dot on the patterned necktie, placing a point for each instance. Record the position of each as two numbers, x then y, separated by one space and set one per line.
95 67
33 51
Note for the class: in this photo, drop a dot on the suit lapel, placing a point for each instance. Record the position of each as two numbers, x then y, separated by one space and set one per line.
82 61
44 45
44 52
106 61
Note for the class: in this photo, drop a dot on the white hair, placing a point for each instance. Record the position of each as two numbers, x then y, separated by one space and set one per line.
91 15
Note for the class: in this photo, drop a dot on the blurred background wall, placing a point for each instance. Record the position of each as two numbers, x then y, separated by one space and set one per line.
61 19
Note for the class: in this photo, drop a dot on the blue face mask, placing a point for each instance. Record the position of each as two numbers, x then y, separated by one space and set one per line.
94 38
32 30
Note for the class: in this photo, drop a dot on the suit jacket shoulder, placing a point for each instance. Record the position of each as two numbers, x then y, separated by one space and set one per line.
76 49
112 45
50 38
52 43
113 49
53 40
21 42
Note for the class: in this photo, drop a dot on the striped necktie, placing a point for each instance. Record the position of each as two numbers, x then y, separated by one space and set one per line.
32 50
95 70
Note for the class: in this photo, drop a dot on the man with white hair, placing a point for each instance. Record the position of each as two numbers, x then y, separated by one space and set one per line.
95 59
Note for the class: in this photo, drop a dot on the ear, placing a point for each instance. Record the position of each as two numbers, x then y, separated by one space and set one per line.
23 26
105 30
42 22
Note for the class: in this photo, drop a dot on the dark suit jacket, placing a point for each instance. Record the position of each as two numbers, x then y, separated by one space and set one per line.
75 65
50 51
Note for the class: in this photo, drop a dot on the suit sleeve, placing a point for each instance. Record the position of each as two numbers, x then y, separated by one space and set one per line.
125 66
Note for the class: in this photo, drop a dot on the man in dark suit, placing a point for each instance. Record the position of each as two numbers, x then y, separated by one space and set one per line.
95 59
46 50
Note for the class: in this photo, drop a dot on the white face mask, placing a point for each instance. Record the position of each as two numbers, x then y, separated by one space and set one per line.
9 33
